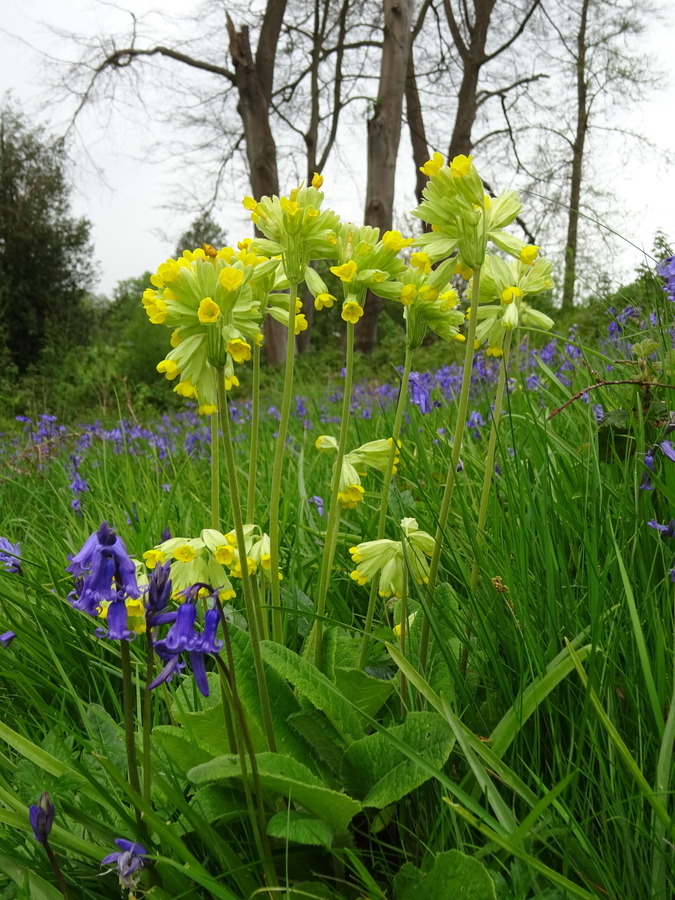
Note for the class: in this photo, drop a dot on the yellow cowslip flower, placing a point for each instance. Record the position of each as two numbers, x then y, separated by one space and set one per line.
326 443
394 240
509 294
351 496
352 312
231 278
463 271
397 628
434 165
207 409
461 166
290 207
345 272
324 300
167 272
153 557
175 338
317 181
208 312
529 254
450 298
230 382
428 293
186 389
408 294
224 554
184 553
301 323
169 368
156 310
421 261
249 203
239 350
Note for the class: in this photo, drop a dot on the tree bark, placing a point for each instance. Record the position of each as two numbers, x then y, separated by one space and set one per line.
384 135
569 277
254 85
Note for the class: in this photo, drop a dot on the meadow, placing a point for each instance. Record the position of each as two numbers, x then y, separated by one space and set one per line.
441 662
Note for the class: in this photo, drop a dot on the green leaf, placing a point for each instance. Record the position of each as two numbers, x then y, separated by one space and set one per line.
368 694
376 771
313 685
284 703
212 803
453 875
302 828
180 750
37 888
288 778
326 743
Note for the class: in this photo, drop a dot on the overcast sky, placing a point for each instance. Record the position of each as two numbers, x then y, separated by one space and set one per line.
129 199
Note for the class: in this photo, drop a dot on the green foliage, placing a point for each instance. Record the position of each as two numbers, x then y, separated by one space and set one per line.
202 230
46 268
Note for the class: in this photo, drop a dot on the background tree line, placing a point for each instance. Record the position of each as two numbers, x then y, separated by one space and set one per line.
279 88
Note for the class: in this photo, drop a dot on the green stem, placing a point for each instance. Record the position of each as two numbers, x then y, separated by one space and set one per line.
251 611
404 629
277 470
255 426
487 482
56 869
462 407
147 719
334 511
129 724
384 497
215 473
245 743
662 848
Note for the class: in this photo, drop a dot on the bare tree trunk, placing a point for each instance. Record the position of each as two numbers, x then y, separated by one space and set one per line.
418 138
569 277
254 85
384 135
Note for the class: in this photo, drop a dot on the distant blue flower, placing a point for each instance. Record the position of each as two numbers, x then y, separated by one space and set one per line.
420 393
598 413
667 531
10 556
103 571
128 861
6 639
42 818
318 502
666 270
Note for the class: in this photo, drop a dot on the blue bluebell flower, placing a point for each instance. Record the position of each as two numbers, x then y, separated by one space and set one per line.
129 862
42 818
182 637
318 502
103 572
667 531
6 639
10 556
666 269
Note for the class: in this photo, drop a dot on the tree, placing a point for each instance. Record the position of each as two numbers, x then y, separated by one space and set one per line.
202 230
46 266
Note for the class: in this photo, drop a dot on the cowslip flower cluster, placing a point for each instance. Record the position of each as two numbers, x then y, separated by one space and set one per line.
388 559
509 283
212 558
363 262
210 301
295 228
373 454
462 217
429 302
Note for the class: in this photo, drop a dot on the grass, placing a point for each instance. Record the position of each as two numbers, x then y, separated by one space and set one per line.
554 767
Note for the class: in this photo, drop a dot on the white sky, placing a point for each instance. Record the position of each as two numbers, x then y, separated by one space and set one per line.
131 206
